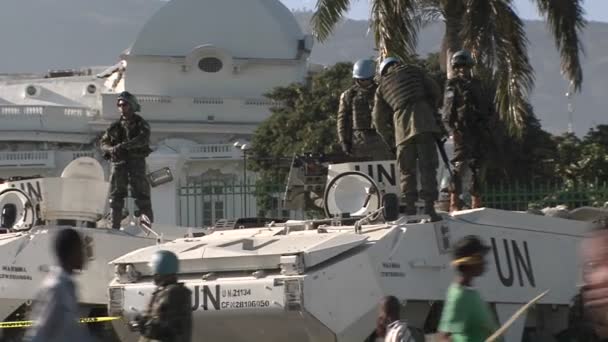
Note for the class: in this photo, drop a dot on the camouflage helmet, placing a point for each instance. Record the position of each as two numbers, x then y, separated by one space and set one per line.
364 69
462 58
130 99
164 263
385 63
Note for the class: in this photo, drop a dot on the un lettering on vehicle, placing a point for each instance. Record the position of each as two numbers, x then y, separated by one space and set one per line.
216 298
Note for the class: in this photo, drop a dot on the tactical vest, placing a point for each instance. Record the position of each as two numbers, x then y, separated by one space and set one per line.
121 131
467 106
403 86
362 104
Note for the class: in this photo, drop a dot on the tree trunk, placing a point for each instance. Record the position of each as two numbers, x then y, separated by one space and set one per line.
452 42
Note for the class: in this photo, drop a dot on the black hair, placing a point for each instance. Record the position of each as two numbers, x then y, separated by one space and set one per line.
390 308
66 242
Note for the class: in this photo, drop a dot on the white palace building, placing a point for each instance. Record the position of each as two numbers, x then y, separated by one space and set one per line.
200 79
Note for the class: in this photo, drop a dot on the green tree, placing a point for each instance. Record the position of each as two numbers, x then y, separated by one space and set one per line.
304 120
490 29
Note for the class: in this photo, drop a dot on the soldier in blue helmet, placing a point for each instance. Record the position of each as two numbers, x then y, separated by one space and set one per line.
356 134
169 314
406 117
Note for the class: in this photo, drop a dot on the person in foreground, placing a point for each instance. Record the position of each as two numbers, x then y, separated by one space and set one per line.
169 314
55 312
389 326
595 279
466 317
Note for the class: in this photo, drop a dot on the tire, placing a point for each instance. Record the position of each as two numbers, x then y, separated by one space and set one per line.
390 202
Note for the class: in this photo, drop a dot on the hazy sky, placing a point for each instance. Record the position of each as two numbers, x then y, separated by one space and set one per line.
596 10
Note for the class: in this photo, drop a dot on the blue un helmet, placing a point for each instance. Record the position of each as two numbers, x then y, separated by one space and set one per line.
462 58
164 263
385 64
364 69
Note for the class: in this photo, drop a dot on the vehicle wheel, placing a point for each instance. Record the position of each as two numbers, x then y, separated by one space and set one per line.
390 202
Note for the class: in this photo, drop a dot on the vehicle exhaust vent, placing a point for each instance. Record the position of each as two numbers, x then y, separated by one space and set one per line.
116 301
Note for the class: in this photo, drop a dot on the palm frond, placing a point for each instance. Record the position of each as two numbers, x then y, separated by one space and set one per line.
395 26
327 14
496 36
566 19
428 12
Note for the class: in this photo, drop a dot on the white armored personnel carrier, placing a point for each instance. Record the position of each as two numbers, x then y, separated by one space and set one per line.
34 209
321 280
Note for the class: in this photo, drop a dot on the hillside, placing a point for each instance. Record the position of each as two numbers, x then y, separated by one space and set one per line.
38 35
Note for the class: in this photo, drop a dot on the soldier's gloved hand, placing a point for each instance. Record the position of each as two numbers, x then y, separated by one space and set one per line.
117 149
137 323
346 148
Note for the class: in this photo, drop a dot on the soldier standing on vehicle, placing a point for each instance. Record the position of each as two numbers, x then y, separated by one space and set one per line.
169 314
355 132
405 115
466 317
126 144
466 113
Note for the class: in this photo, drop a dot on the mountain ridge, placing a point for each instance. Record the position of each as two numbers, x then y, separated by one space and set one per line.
39 35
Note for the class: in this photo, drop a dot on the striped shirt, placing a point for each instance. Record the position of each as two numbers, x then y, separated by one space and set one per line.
398 332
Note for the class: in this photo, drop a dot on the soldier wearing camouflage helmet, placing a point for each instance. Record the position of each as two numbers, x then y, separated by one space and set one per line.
126 144
168 317
466 114
355 132
405 115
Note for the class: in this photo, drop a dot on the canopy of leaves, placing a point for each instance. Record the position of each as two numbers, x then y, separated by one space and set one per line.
303 121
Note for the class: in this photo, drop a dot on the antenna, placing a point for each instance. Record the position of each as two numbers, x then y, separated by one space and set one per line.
569 95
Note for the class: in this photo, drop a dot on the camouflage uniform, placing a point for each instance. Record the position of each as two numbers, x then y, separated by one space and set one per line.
466 113
169 315
126 144
405 115
355 124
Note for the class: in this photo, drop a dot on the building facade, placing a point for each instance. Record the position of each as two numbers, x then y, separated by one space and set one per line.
199 69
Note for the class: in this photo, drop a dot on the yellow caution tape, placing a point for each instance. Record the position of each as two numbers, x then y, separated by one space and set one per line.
25 324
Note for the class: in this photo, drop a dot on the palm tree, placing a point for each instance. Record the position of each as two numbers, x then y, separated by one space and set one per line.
490 29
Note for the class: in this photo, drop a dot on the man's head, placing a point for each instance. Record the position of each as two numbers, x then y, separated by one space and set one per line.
363 72
164 265
127 104
462 62
69 250
390 308
469 256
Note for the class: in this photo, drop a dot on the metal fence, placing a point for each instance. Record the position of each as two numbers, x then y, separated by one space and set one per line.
203 203
522 197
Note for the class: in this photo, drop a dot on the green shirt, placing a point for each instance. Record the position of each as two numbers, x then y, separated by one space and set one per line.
466 316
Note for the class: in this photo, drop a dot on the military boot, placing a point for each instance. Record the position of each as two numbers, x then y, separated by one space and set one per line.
429 209
455 204
475 202
116 215
409 207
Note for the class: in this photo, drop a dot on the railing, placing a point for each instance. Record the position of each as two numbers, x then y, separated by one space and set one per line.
194 109
214 151
27 159
46 118
522 197
202 203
